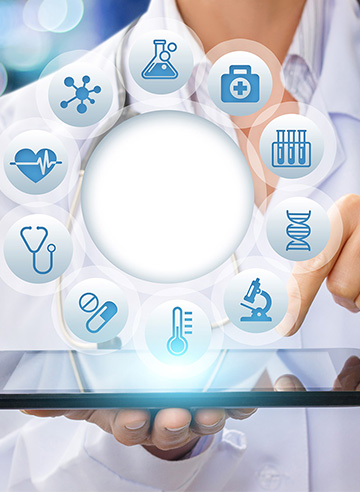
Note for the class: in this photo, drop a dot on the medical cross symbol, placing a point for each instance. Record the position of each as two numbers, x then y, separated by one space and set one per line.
240 88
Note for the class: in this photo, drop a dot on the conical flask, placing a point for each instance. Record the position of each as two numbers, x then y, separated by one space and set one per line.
160 66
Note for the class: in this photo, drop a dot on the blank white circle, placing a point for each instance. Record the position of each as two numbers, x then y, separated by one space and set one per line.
167 196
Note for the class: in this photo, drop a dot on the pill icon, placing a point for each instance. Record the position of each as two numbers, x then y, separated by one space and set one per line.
96 311
88 302
102 316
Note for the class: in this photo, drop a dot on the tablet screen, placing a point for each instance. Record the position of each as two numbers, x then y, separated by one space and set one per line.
259 377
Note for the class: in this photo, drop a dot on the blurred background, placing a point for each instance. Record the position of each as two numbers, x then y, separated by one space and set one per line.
33 32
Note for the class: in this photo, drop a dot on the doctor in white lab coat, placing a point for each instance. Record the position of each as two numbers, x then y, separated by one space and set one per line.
274 449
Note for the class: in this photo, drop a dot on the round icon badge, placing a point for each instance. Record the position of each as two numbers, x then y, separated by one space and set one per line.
96 310
178 333
240 83
161 62
38 248
80 94
292 146
36 162
298 229
256 300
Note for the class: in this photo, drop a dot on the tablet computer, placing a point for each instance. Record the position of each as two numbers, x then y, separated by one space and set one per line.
236 379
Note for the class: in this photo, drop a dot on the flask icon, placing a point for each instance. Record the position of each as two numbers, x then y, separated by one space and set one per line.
298 230
160 66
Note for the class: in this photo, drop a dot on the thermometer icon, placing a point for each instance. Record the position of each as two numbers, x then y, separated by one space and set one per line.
177 343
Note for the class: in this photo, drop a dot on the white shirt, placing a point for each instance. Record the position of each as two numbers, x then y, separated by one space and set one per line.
287 449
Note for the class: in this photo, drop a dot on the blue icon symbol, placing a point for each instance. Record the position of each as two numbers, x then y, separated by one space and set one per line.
35 166
51 248
291 151
177 343
38 248
298 231
240 85
82 94
160 67
257 313
89 303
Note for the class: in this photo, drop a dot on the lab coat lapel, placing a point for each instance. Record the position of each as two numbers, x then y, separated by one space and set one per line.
340 72
338 80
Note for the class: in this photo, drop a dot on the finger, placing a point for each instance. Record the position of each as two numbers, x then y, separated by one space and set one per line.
310 274
344 279
349 377
171 428
288 382
44 413
208 421
129 427
70 414
240 413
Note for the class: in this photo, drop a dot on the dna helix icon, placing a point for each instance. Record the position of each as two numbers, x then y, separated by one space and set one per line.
298 231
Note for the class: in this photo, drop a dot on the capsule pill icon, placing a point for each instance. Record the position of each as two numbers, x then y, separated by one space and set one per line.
89 303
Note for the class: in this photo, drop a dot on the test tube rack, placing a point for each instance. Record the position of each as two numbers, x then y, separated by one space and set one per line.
291 149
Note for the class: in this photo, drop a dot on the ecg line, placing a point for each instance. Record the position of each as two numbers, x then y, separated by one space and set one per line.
42 163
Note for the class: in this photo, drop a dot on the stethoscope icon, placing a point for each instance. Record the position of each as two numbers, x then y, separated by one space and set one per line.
51 248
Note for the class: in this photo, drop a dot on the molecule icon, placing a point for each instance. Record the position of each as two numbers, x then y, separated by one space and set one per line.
81 93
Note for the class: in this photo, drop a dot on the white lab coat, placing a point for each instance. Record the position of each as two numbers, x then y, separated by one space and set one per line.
276 449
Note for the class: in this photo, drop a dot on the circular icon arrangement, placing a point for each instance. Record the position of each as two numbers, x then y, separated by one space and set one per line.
240 83
80 94
161 62
36 162
186 225
178 332
298 229
256 300
96 310
292 146
38 248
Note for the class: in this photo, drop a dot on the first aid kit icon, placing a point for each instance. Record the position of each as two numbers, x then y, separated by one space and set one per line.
240 85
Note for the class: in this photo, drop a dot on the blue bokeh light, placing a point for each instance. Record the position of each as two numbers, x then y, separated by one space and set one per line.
52 14
33 32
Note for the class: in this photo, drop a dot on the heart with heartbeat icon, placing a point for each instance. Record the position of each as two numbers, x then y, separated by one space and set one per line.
35 166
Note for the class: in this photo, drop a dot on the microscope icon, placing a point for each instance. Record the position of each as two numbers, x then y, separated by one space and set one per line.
257 313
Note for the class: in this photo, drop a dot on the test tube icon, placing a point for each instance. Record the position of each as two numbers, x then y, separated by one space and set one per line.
280 146
291 146
302 140
291 149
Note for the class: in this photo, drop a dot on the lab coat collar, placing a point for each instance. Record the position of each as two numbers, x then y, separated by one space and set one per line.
340 73
307 43
169 12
